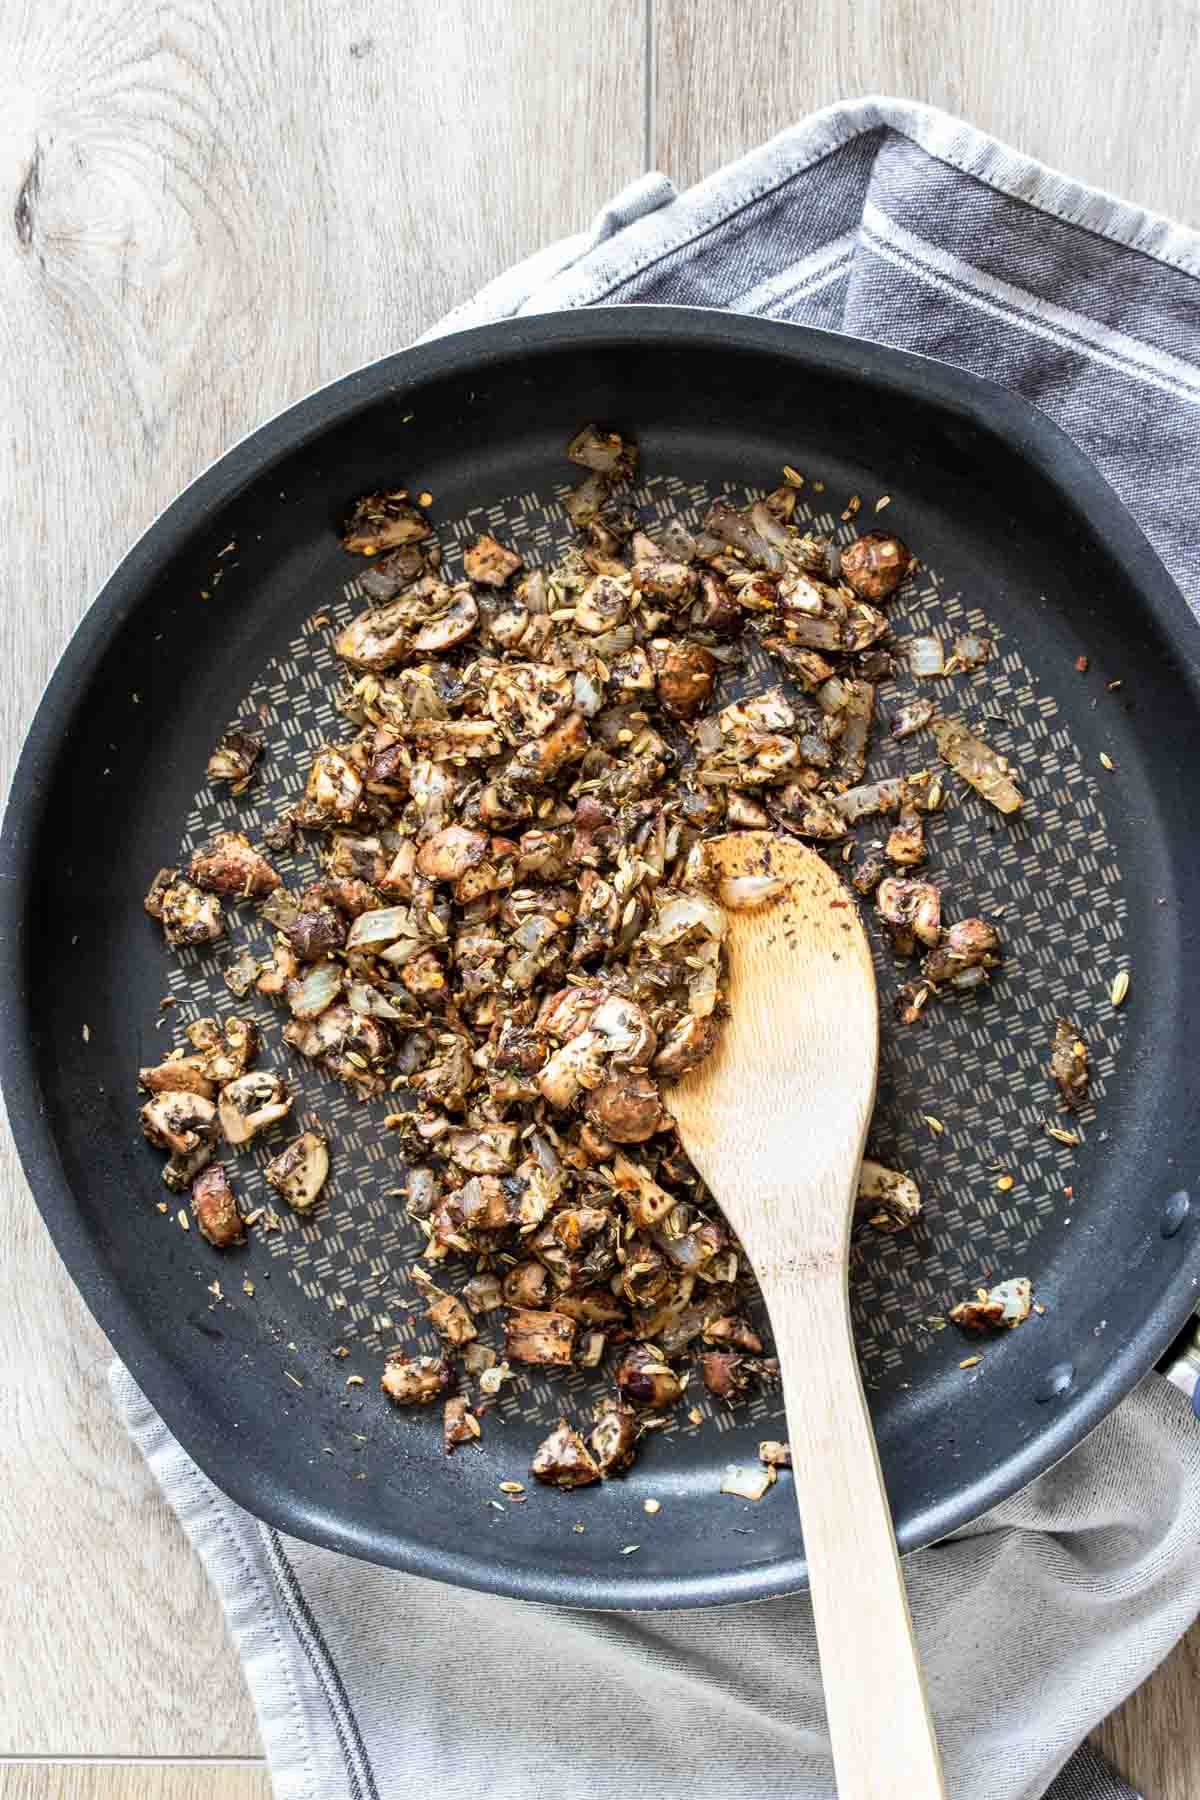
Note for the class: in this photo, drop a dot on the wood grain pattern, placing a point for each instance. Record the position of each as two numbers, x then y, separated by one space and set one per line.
133 1781
1108 100
207 209
801 1044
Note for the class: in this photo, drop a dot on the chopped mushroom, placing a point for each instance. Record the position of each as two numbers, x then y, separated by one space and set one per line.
252 1104
189 916
300 1172
216 1210
490 563
179 1074
179 1122
538 1337
644 1379
1069 1065
233 759
458 1425
563 1460
727 1373
227 1047
508 931
417 1380
875 564
614 1436
230 865
383 522
891 1201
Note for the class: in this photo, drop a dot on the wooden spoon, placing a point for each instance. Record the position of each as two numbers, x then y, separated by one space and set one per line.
775 1122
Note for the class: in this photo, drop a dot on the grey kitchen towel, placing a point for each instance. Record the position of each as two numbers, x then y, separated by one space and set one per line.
888 220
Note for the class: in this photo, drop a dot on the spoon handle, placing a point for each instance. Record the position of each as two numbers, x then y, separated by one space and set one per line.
884 1747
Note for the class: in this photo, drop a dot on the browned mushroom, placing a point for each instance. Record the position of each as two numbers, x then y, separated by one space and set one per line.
216 1210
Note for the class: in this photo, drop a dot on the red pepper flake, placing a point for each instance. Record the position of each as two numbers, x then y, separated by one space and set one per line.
1081 663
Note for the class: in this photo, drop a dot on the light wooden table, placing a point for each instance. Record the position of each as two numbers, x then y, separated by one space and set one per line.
207 209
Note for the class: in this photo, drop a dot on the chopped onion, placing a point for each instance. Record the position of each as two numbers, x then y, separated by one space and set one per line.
319 989
874 797
382 926
747 1484
373 1004
925 656
681 915
742 893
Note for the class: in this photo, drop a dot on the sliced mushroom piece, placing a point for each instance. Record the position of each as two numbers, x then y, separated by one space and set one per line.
216 1210
285 967
605 452
417 1380
229 864
456 621
180 1171
614 1436
906 841
685 1046
912 909
233 759
968 944
727 1373
686 677
527 1286
890 1200
603 604
314 933
228 1046
489 562
451 852
179 1122
180 1074
575 1068
626 1033
158 890
774 1454
645 1380
875 564
252 1104
300 1172
538 762
526 699
728 1328
458 1425
190 917
379 639
626 1109
563 1460
547 1338
334 792
382 522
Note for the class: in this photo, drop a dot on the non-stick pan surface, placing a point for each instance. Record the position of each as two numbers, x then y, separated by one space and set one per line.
222 609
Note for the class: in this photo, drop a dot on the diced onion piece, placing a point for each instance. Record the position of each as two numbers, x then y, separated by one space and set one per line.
747 1484
319 989
383 925
925 656
977 763
743 893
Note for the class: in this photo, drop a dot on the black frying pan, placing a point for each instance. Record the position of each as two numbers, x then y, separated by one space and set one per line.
1100 873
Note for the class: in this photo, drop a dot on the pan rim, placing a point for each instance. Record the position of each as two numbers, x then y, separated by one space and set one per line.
975 400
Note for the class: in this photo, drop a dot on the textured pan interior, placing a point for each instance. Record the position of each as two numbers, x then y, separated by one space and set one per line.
225 611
